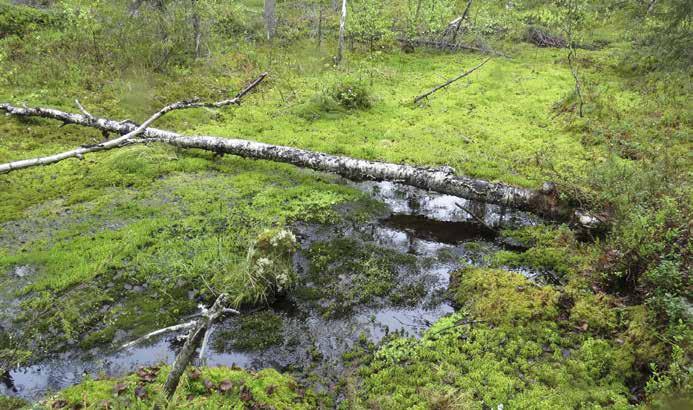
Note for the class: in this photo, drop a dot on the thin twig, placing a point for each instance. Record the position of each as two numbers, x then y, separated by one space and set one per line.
83 110
180 326
475 217
422 96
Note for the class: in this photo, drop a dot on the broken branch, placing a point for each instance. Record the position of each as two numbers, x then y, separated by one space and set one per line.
196 335
447 83
124 139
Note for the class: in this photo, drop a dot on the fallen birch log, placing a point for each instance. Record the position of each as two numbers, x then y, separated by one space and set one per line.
543 202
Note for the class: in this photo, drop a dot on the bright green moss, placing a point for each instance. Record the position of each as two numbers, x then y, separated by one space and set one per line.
503 297
205 388
552 250
508 346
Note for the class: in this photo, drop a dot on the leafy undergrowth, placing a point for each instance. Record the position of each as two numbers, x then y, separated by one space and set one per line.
512 344
204 388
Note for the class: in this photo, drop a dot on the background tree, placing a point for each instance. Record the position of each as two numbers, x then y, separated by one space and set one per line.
270 18
342 29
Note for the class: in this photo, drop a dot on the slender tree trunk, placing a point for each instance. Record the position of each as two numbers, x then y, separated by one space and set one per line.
459 24
270 18
342 29
320 26
197 32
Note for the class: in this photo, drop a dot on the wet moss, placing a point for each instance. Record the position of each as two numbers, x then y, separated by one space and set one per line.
204 388
349 273
506 346
12 403
551 250
252 332
123 261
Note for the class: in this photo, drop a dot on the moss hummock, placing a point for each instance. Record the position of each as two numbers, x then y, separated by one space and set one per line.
511 344
204 388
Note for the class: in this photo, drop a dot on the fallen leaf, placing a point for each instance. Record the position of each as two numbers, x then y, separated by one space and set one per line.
225 386
119 388
246 394
195 374
59 404
140 392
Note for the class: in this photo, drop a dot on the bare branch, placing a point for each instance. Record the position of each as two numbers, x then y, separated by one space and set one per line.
181 326
422 96
123 140
84 111
197 335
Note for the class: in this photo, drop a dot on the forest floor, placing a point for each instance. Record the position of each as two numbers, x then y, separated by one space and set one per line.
101 251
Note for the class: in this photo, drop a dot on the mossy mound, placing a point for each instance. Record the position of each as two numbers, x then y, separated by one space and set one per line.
512 344
205 388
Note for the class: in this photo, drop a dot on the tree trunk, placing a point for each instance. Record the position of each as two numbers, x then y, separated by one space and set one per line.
270 18
459 23
543 202
342 29
197 31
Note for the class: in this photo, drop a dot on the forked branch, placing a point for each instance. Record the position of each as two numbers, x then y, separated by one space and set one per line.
128 137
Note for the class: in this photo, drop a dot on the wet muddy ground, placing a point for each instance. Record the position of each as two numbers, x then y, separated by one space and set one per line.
357 282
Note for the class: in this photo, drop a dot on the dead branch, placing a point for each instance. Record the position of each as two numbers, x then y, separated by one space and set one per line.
447 83
448 46
456 24
199 333
477 218
128 137
174 328
540 38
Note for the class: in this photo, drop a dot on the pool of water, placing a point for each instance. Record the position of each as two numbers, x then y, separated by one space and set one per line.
431 228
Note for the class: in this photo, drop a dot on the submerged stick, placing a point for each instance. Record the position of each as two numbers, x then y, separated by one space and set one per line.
196 335
447 83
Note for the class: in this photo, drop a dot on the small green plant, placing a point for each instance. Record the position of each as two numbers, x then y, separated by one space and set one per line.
351 95
269 261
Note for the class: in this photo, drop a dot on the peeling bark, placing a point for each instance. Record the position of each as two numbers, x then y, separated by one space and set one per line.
543 202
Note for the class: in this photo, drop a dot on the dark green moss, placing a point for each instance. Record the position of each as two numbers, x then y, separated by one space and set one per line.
350 273
252 332
12 403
